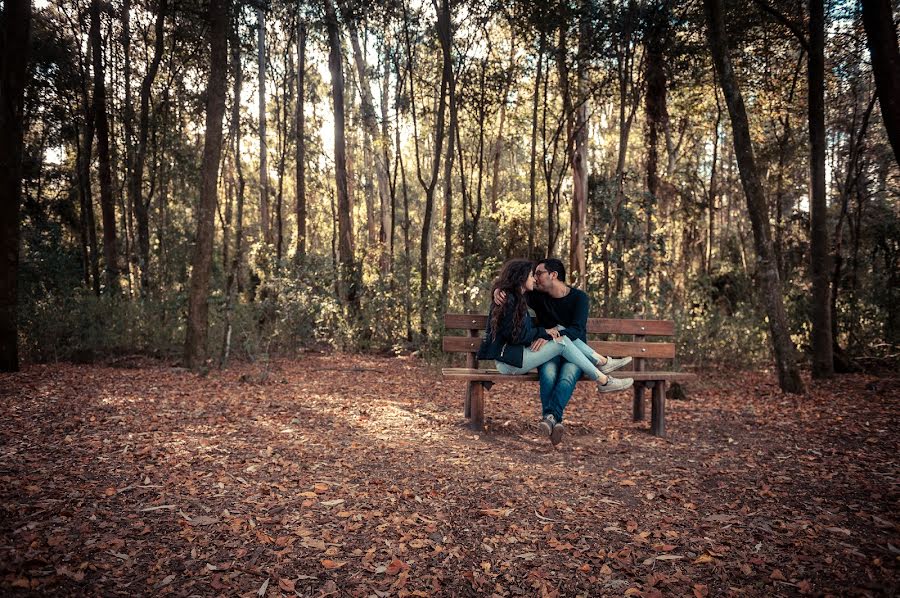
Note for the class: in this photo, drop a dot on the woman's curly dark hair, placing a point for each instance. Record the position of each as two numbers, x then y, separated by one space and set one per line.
511 280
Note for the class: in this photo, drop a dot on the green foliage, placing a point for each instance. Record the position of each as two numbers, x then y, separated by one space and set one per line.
721 323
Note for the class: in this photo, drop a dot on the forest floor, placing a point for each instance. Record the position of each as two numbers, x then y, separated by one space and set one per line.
357 476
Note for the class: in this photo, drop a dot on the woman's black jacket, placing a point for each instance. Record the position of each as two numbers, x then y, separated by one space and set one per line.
505 346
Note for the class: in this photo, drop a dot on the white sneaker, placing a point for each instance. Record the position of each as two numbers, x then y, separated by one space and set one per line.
612 364
614 384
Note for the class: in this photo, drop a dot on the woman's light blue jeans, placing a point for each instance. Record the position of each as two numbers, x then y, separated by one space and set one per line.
563 346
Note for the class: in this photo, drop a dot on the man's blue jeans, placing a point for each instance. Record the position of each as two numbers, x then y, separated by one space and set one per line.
558 378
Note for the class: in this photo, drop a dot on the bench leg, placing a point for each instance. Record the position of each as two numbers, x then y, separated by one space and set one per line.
467 409
637 407
658 409
476 405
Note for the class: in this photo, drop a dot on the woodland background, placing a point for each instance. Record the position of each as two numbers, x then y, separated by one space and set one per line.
221 179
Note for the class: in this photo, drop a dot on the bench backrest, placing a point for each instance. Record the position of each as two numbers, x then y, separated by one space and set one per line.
637 347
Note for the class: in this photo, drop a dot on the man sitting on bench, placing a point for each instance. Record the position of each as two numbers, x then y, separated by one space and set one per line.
562 310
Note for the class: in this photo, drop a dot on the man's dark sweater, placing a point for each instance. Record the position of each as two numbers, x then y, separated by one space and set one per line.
570 311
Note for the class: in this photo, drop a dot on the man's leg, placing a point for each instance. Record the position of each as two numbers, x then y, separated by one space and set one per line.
568 375
548 373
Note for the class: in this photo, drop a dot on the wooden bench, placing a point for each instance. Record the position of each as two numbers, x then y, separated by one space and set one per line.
479 380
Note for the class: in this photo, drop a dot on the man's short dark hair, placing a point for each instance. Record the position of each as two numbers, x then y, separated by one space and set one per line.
554 265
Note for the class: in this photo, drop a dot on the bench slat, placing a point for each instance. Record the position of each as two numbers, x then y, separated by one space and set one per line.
594 325
495 376
465 344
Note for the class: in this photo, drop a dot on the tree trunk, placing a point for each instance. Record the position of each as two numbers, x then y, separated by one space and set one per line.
713 191
201 261
577 262
655 106
371 129
881 35
235 265
300 157
86 196
785 358
497 147
532 171
15 29
107 201
445 34
347 285
263 148
822 352
428 186
140 206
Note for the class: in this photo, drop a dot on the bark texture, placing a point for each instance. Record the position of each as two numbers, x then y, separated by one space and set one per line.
347 285
201 261
101 123
820 268
767 271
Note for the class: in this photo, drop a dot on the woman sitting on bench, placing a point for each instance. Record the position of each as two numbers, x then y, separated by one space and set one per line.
510 333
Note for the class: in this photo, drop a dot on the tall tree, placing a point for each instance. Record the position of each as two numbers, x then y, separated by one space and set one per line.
428 185
881 34
263 147
140 206
785 352
15 28
231 280
822 353
579 155
300 147
445 35
201 260
657 117
101 120
532 167
347 282
370 123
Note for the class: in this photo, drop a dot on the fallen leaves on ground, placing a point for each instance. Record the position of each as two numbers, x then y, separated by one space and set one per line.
357 476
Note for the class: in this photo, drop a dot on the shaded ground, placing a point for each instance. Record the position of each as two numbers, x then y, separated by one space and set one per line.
356 476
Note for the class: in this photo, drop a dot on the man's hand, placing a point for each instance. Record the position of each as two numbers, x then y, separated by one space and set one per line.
538 343
553 332
499 297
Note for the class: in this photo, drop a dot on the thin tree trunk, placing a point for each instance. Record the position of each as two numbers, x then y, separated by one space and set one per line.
141 206
497 147
713 190
785 358
881 34
657 115
370 124
347 286
532 172
300 157
15 31
386 232
107 201
201 261
822 350
235 265
580 165
263 148
446 39
430 185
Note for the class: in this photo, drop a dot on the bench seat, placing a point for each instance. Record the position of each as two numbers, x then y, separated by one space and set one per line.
475 375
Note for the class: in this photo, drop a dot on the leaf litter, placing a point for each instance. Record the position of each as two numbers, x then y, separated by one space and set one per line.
357 476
